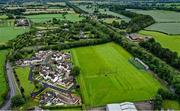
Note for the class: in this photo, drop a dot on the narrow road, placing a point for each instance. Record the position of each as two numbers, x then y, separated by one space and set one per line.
12 86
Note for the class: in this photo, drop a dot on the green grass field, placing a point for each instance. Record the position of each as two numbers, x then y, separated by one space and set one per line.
45 17
10 32
168 41
169 28
3 83
23 74
160 15
107 76
169 104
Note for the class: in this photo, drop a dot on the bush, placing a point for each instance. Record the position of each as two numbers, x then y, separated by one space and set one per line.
4 95
17 100
75 71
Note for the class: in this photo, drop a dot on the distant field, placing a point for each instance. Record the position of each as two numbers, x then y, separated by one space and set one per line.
168 104
3 83
160 15
46 17
23 74
91 10
169 28
107 76
3 17
167 21
168 41
115 14
110 20
8 31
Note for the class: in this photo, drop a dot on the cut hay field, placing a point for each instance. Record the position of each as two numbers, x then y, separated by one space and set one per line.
168 41
3 83
107 76
160 15
167 21
169 28
46 17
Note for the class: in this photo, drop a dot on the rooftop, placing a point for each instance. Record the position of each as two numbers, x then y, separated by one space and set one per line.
126 106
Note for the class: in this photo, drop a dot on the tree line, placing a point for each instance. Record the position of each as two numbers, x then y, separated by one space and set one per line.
76 9
137 22
165 54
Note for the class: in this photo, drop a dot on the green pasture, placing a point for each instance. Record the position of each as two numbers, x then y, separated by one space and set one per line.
46 17
3 83
160 15
23 74
8 31
168 41
108 77
169 104
169 28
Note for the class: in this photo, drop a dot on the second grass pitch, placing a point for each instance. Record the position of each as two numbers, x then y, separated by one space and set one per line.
107 76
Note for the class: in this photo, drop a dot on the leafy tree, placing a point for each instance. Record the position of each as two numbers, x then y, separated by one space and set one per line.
158 102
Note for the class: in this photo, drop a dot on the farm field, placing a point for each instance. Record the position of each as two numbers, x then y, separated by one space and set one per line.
46 17
49 10
169 104
167 21
115 14
110 20
10 32
107 76
108 12
3 83
169 28
168 41
160 15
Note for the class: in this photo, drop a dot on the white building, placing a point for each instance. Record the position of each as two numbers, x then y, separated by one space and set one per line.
126 106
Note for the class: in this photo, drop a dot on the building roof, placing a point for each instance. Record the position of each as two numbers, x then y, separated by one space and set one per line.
126 106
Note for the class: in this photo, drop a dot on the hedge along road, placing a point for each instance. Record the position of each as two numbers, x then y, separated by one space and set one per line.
12 85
